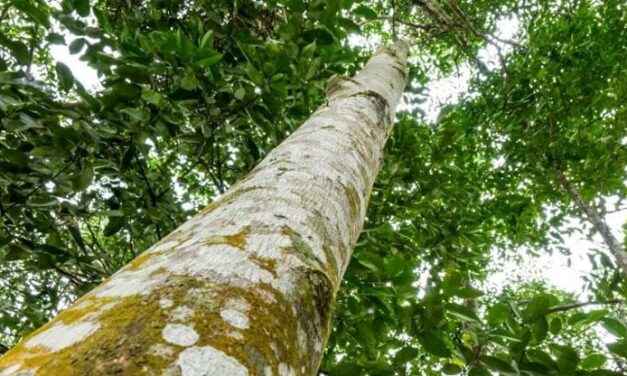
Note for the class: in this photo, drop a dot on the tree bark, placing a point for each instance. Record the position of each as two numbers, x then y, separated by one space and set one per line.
616 249
247 286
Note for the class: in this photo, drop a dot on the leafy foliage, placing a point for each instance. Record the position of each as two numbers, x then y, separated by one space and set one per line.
192 94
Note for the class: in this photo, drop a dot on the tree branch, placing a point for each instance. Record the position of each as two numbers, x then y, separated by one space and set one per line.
579 305
597 221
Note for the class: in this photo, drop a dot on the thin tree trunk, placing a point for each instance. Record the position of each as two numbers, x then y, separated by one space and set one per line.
597 221
247 286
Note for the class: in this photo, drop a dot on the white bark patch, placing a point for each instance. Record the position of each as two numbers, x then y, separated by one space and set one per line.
202 261
235 318
60 336
9 371
286 370
182 313
165 303
161 350
179 334
239 304
207 361
235 334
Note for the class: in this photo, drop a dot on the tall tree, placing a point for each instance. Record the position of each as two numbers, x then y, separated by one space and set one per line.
248 285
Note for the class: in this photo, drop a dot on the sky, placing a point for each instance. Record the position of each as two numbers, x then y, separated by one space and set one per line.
552 268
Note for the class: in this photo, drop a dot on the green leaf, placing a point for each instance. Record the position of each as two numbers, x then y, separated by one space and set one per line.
394 265
188 80
83 179
501 333
405 355
18 49
556 325
346 369
77 45
349 25
15 157
538 306
478 371
433 343
255 76
468 293
207 40
138 115
498 314
322 36
593 361
365 12
370 260
114 225
461 312
540 329
31 9
497 364
240 93
207 58
615 327
152 97
55 38
82 7
567 358
15 253
65 77
42 201
542 358
619 348
451 369
452 281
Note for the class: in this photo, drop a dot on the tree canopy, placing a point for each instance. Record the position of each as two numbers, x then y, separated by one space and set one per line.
191 94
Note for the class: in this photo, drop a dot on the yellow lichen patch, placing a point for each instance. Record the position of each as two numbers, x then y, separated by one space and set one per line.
269 340
211 207
332 269
288 231
235 240
353 200
84 306
265 263
142 259
119 345
129 331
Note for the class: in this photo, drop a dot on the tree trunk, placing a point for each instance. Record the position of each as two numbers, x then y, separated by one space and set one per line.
247 286
616 249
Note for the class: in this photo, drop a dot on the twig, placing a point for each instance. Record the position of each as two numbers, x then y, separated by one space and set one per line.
394 34
579 305
37 188
151 192
615 247
4 11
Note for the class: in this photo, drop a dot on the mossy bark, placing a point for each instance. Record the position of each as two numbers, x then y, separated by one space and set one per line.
247 286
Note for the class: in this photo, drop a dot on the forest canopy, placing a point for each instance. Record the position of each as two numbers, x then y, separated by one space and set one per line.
503 175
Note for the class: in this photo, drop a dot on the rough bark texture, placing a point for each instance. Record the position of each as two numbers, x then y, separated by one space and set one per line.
616 249
247 286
